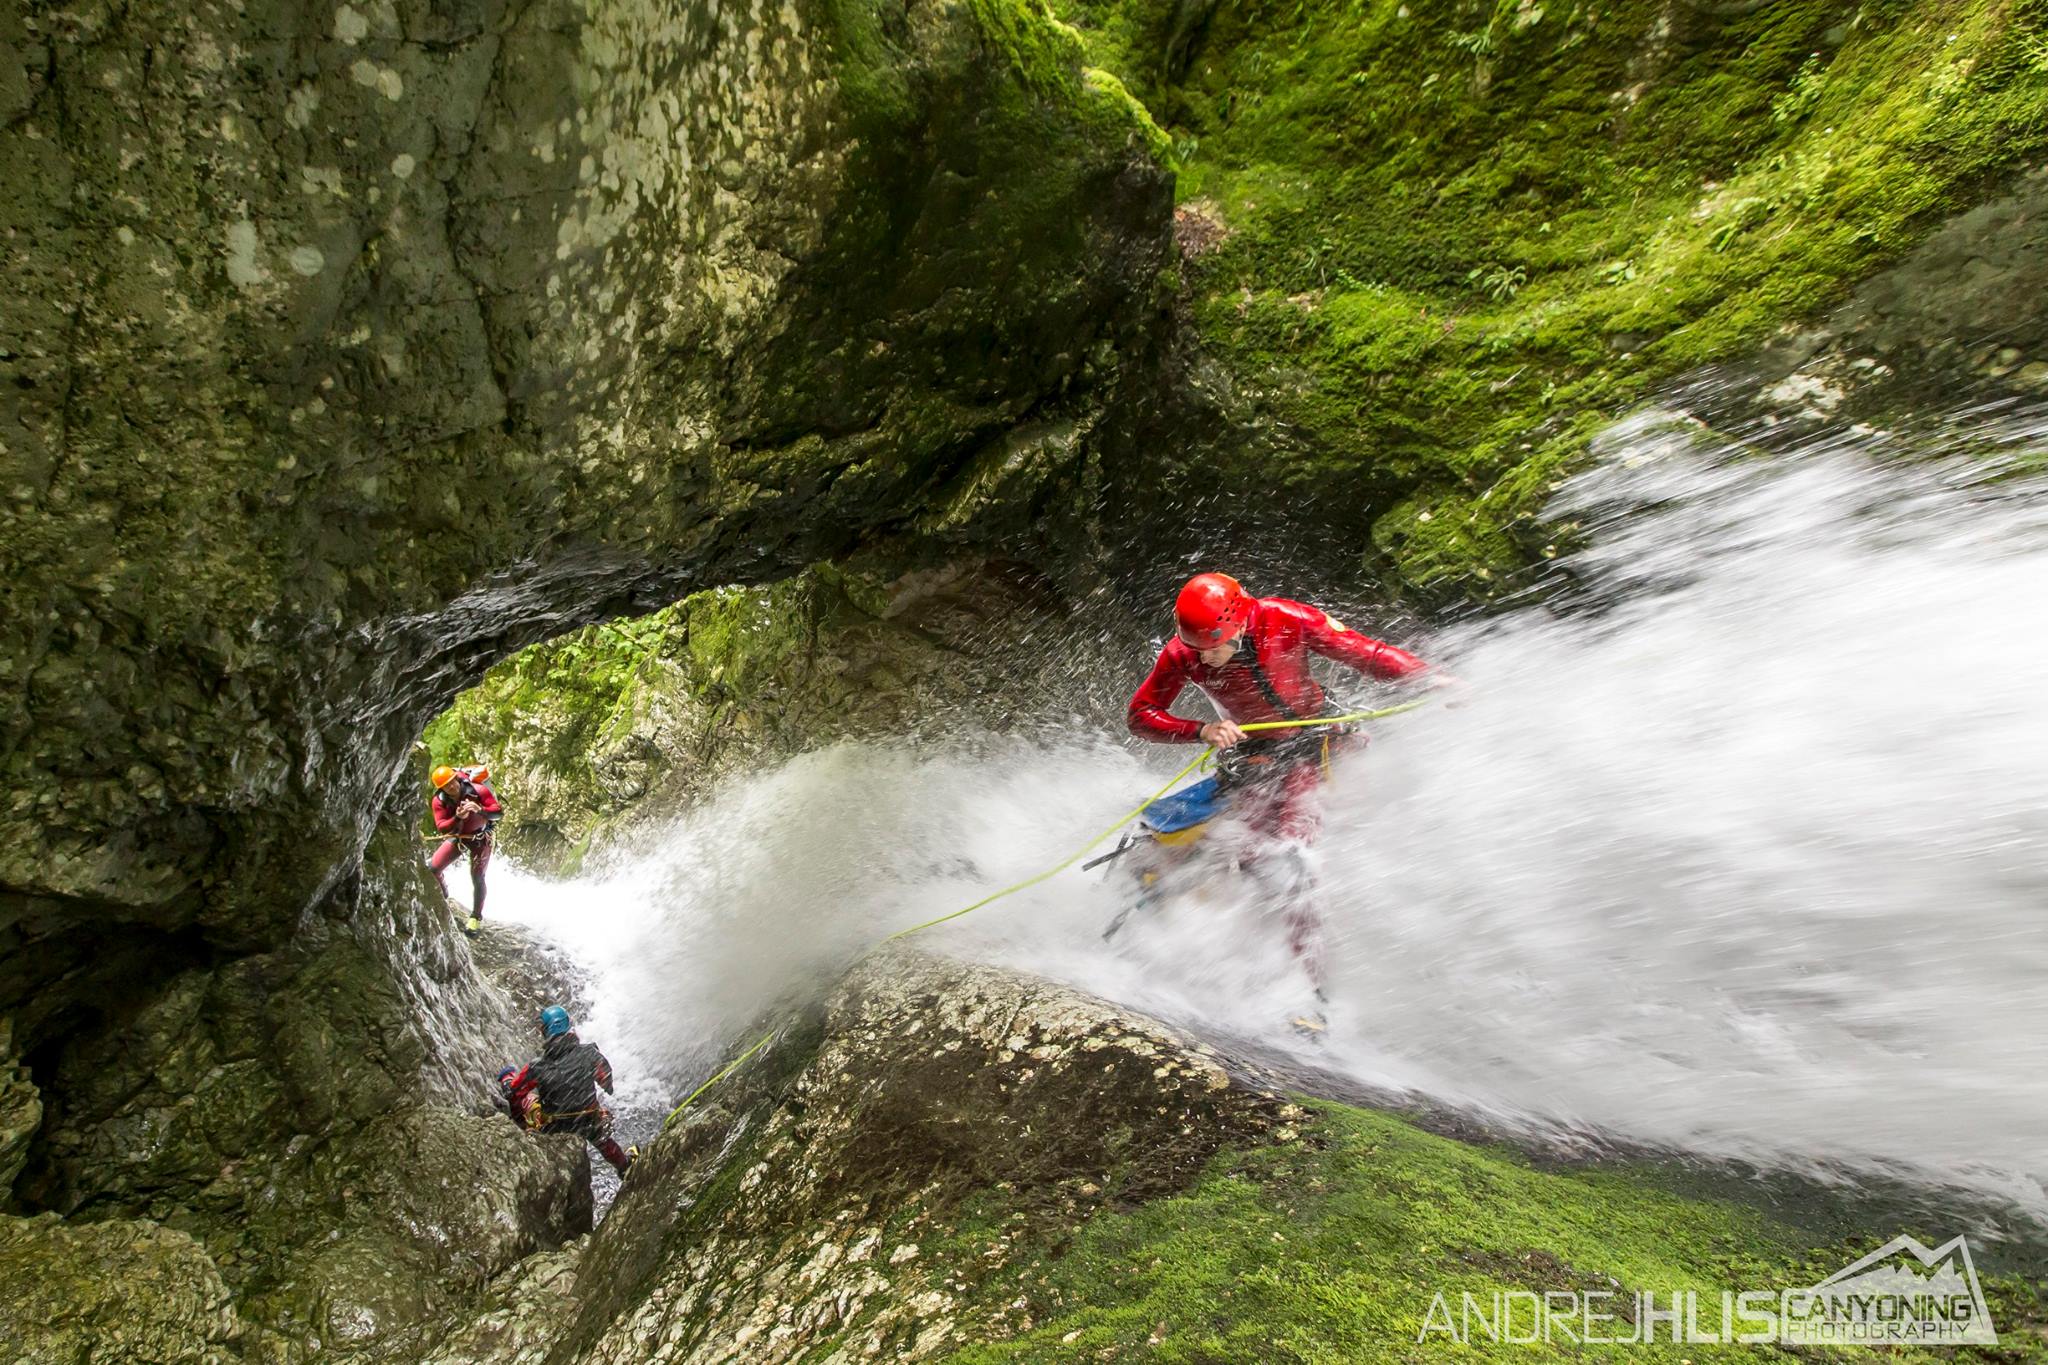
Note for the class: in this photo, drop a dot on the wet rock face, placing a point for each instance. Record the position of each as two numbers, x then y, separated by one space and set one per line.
532 972
314 1124
21 1111
345 348
115 1293
794 1214
1958 320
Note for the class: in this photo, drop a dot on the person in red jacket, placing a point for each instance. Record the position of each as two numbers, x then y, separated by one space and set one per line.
466 810
1250 657
556 1092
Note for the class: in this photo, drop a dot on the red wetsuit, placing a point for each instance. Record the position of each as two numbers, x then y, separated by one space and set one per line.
566 1067
1280 636
471 833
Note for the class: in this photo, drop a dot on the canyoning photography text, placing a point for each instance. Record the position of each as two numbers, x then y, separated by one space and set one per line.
1869 1303
1292 682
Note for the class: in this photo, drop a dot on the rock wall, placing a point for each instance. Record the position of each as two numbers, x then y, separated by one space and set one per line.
344 350
787 1214
116 1293
348 348
307 1132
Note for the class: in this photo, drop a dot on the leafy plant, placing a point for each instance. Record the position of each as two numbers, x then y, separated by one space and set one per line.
1480 42
1500 282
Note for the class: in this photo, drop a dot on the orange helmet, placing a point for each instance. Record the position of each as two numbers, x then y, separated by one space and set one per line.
1212 610
442 776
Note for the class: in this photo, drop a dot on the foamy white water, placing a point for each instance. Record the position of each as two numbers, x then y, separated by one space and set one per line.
1748 856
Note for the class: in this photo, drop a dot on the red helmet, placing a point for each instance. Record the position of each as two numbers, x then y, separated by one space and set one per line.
1211 610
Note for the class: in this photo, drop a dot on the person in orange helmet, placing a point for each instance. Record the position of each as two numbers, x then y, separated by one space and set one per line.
466 810
1250 656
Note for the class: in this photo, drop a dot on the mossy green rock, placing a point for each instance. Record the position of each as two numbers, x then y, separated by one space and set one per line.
117 1293
960 1163
1431 246
1957 316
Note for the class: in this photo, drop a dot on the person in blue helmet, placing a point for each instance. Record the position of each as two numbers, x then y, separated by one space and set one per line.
556 1092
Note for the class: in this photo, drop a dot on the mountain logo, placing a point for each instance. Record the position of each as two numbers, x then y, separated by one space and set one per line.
1902 1293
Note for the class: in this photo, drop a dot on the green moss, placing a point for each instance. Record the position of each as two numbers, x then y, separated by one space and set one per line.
1116 104
581 729
551 709
1457 231
1333 1249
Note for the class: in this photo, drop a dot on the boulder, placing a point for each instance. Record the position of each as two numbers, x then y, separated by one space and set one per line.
114 1293
787 1213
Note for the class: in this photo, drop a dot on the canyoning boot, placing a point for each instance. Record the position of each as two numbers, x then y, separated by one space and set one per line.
474 923
1316 1022
1313 1025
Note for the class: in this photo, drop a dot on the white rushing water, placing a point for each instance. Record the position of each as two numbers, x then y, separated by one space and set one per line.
1747 855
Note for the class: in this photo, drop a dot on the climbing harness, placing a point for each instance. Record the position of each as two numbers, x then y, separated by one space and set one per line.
480 836
1199 759
538 1119
1205 756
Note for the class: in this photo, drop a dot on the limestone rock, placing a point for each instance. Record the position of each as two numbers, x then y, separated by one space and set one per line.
309 1117
417 1213
532 972
115 1293
21 1111
347 349
520 1320
787 1215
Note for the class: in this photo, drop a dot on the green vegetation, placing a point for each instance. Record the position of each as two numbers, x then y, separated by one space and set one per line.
1331 1248
546 714
584 681
1445 241
583 728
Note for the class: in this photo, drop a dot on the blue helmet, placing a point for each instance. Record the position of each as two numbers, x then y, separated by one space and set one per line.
554 1022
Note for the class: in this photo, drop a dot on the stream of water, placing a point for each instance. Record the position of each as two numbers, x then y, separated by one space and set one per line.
1744 851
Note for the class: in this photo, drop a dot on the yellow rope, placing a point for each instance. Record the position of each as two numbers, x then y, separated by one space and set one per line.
1068 862
1060 867
1146 805
730 1067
